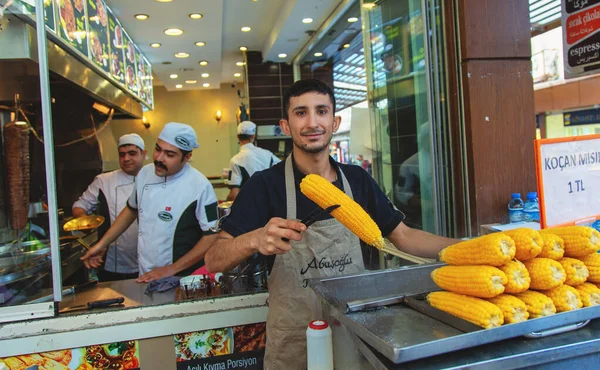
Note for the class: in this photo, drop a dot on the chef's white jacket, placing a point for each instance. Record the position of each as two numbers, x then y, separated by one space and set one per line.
249 160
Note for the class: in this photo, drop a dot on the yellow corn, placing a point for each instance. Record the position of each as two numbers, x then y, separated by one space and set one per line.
589 293
477 281
592 262
494 249
527 241
545 273
565 298
350 213
579 240
538 304
554 246
475 310
513 309
577 272
518 277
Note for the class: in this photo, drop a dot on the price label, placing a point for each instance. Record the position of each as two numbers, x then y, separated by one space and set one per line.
568 178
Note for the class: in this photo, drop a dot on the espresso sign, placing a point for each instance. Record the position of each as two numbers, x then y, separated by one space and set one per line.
581 37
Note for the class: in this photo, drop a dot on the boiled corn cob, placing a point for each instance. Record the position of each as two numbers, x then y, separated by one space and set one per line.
538 304
476 281
513 309
577 272
517 275
554 246
494 249
592 262
545 273
589 293
527 241
579 240
350 213
475 310
565 298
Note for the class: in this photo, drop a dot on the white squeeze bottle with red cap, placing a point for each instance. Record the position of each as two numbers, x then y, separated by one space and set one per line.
319 346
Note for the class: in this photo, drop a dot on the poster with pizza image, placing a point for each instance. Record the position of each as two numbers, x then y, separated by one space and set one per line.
72 25
225 348
114 356
98 34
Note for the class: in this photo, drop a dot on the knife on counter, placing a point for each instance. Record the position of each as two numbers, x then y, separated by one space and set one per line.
104 303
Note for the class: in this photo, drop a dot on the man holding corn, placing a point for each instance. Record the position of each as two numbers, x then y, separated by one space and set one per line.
263 219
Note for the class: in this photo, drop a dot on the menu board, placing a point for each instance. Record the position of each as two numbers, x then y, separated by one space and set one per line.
141 74
148 83
130 73
72 24
98 35
117 61
29 7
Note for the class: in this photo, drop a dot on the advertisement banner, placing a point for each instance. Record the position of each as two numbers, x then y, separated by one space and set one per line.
581 37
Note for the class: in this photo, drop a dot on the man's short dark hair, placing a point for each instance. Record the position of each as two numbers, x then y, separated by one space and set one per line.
244 137
184 153
302 87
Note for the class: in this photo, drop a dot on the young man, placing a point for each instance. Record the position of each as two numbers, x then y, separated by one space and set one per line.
176 207
108 195
249 160
266 210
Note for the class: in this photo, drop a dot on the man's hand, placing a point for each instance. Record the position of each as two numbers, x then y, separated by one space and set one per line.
157 273
269 239
93 257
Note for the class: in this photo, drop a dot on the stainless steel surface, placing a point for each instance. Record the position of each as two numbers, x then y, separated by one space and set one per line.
401 333
372 303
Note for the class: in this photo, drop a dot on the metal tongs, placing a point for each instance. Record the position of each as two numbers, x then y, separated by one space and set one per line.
314 216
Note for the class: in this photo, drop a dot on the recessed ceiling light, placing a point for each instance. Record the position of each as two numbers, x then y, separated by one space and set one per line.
203 63
307 20
178 86
200 43
282 55
155 45
243 48
142 17
173 32
317 54
205 75
164 1
173 76
246 29
239 64
195 15
182 55
352 19
206 84
369 5
237 75
346 46
190 81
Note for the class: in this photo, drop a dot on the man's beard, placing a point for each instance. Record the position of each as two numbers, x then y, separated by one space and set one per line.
312 150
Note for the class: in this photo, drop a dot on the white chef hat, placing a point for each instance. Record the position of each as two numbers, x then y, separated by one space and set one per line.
246 128
132 139
180 135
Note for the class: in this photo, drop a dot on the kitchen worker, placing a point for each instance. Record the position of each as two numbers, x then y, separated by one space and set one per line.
266 210
107 195
249 160
176 208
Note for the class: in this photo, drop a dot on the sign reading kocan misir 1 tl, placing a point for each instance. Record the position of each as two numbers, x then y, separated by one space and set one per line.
581 37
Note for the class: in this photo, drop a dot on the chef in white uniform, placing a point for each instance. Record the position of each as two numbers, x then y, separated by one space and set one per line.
107 195
176 207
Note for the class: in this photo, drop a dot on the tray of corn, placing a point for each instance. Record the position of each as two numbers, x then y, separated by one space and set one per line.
500 286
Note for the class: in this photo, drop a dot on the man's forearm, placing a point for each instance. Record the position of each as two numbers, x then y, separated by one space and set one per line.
418 242
79 212
196 254
233 193
122 222
227 252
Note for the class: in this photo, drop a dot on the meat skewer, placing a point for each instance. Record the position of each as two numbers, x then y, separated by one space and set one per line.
16 146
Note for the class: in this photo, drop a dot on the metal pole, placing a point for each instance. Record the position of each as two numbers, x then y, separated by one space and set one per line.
48 148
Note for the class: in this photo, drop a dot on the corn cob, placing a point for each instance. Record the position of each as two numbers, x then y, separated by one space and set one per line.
545 273
579 240
513 309
565 298
589 293
527 241
494 249
577 272
518 277
554 246
350 213
475 310
477 281
538 304
592 262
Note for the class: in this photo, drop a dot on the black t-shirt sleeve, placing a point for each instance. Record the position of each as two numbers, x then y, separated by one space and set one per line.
250 210
379 206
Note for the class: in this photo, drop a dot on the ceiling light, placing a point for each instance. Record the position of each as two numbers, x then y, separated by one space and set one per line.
182 55
164 1
239 64
346 46
203 63
205 75
155 45
195 15
142 17
200 43
173 32
318 54
246 29
206 85
352 19
178 86
282 55
237 75
307 20
173 75
190 81
243 48
369 5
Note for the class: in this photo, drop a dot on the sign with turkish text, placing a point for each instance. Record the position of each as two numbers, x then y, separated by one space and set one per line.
582 117
581 37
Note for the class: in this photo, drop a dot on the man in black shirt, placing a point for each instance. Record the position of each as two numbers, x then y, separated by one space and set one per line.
264 215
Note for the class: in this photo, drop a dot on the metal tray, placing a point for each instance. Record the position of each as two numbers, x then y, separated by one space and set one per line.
402 333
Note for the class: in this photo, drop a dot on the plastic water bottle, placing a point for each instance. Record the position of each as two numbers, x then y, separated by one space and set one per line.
515 208
532 208
319 346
